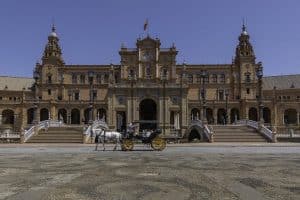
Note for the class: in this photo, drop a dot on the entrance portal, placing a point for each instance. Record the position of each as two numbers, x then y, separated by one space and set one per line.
148 114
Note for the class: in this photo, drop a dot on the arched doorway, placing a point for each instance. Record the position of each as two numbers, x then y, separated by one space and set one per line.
234 115
209 116
75 116
62 115
195 114
44 114
148 112
101 114
252 114
30 115
121 121
86 115
267 115
221 116
8 116
290 116
194 135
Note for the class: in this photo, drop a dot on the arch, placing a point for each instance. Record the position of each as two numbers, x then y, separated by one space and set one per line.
194 135
234 115
221 116
148 111
75 116
267 115
290 116
121 121
252 114
101 114
44 114
62 115
210 115
8 116
195 113
30 115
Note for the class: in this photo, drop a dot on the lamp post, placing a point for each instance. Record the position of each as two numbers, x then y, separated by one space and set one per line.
131 78
36 77
91 77
163 78
69 113
259 74
203 75
226 106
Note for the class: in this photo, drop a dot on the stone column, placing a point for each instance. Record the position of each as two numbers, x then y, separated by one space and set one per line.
0 119
298 118
215 115
81 115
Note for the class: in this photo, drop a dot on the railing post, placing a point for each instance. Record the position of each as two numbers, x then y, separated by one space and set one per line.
22 137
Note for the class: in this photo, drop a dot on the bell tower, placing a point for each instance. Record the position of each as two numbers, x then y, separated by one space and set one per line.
244 70
52 53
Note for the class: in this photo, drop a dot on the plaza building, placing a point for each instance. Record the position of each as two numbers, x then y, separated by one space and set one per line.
150 87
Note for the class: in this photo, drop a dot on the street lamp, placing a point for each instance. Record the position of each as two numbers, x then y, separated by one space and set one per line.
36 77
163 78
203 76
131 78
91 77
69 116
226 106
259 74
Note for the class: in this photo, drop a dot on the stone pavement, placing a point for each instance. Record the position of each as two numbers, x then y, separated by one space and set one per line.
182 171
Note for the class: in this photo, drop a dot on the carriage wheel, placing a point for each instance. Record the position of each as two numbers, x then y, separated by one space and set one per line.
158 144
127 145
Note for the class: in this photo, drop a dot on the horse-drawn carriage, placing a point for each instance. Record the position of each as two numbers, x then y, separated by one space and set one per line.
148 137
132 135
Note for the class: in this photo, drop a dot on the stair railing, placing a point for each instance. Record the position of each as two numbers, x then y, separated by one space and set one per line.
207 130
41 125
88 133
261 128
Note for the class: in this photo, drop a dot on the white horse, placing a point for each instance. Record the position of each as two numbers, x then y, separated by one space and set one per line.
103 135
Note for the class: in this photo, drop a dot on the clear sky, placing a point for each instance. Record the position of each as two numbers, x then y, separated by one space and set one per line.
204 31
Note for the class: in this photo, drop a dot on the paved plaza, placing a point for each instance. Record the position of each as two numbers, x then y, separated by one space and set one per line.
183 171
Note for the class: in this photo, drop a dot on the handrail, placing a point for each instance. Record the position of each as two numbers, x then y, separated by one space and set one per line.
41 125
207 131
261 128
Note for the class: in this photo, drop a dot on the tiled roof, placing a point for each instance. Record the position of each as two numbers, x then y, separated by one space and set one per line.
281 82
15 83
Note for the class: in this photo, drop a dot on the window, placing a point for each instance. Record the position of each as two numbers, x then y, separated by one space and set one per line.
214 78
49 78
0 98
49 91
248 91
247 77
15 98
206 79
148 71
76 96
222 78
198 78
74 78
190 78
221 95
98 78
82 79
94 94
288 97
106 78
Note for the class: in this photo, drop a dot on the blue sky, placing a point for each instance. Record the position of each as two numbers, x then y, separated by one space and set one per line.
204 32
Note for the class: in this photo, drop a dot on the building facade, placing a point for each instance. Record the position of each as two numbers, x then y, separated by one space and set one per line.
149 86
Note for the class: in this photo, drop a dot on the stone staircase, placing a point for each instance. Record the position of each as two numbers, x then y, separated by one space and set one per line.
236 133
58 135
